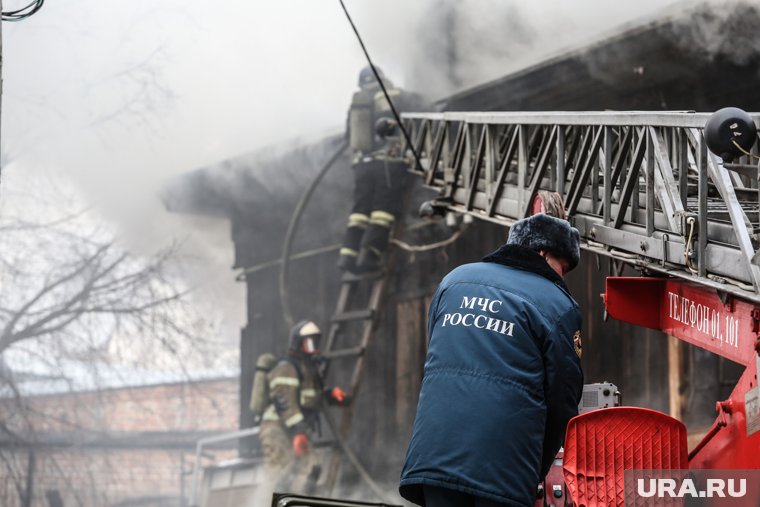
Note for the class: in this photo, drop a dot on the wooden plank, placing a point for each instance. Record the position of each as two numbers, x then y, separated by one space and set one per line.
409 315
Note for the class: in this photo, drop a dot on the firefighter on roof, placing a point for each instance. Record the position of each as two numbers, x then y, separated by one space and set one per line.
379 171
295 397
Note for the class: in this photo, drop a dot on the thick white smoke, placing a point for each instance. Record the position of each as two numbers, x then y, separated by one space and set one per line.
117 97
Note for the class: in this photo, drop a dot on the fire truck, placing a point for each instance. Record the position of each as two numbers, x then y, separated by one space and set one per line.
645 190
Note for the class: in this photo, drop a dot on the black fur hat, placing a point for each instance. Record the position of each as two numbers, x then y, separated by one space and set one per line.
545 232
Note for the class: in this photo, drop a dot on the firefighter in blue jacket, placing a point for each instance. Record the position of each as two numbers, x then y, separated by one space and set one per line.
502 375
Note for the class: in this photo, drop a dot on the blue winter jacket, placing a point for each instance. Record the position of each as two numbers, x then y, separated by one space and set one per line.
502 379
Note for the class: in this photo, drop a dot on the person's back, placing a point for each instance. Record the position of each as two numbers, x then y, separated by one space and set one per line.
501 380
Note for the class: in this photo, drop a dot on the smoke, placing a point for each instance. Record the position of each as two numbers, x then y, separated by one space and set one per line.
725 30
459 47
119 97
440 47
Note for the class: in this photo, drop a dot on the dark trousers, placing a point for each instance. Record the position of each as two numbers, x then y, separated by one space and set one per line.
378 192
443 497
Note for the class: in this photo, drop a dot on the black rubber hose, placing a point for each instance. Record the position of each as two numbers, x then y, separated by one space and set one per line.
295 218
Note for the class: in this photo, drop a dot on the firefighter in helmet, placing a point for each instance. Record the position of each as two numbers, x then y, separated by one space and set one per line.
379 171
296 395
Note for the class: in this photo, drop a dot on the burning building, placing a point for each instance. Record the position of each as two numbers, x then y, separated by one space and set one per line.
672 63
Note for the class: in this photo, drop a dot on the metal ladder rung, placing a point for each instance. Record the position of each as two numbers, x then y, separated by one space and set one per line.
353 278
322 444
336 354
364 314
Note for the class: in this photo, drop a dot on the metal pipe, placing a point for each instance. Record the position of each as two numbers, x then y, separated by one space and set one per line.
214 440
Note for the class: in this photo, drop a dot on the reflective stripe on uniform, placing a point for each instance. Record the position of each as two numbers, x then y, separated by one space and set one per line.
382 218
391 93
270 414
293 420
357 220
349 251
385 156
381 103
307 395
283 381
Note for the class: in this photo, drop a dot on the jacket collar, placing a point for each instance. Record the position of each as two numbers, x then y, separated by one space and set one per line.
527 260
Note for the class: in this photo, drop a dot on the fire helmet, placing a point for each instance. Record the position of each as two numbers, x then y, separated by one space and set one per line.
367 77
386 127
304 338
727 128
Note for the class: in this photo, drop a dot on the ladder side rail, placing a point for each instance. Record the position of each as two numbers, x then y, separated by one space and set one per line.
582 150
667 189
570 162
504 168
682 161
702 189
596 170
541 168
522 164
622 149
420 137
452 174
477 165
631 183
437 143
722 181
585 173
606 203
490 157
649 170
559 164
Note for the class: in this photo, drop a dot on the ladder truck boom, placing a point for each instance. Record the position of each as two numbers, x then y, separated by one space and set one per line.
644 190
640 187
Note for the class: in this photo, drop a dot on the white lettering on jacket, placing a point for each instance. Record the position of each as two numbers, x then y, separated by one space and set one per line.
480 321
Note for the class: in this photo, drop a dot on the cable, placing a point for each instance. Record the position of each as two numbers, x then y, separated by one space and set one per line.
293 225
385 92
377 490
689 264
750 155
24 12
276 262
431 246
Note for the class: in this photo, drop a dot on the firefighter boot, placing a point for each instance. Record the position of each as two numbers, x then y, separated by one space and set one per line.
347 262
357 223
375 242
370 260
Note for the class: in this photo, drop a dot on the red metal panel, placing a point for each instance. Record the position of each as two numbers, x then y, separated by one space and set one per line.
689 312
602 444
728 328
727 445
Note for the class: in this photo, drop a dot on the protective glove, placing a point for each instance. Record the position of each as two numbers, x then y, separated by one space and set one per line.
338 394
300 444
